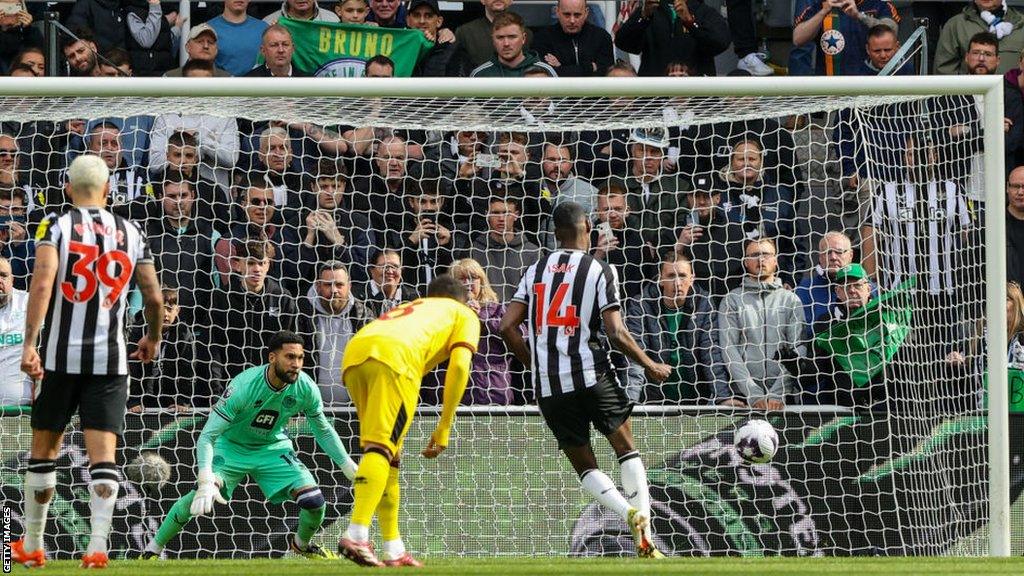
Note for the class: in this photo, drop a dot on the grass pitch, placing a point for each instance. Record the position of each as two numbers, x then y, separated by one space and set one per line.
564 566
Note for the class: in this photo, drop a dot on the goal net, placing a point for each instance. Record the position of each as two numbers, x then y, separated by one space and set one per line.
830 258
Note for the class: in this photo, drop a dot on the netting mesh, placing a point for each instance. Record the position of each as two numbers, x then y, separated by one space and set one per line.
252 205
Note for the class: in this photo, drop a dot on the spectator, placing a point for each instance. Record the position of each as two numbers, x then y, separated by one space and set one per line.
385 288
151 37
104 17
573 46
11 172
258 220
183 247
508 32
475 37
202 46
661 31
764 209
353 11
246 313
331 232
275 158
711 242
387 13
491 379
815 291
1015 324
182 158
16 246
1007 24
329 315
620 245
22 71
743 29
380 193
882 45
839 31
459 159
15 386
754 320
503 250
171 381
379 66
680 328
239 37
277 50
216 138
427 235
127 182
32 57
16 35
301 10
561 184
677 69
653 195
1015 226
444 58
80 52
115 63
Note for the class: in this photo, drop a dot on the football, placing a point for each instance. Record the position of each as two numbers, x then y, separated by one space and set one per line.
149 470
756 441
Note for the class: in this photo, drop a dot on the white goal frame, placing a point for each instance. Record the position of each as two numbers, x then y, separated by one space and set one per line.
988 88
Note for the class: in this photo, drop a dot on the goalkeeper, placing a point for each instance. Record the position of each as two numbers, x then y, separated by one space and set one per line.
244 436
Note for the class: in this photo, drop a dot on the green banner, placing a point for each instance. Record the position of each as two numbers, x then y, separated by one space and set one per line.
341 50
871 335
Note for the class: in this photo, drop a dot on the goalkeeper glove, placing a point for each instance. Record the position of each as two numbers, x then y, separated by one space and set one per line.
349 469
207 493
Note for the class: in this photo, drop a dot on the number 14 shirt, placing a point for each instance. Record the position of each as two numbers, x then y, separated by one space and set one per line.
565 295
83 332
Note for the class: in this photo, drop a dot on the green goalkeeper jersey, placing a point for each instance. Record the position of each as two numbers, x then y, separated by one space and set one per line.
257 414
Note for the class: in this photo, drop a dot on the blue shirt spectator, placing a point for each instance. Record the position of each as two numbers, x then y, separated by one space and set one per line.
238 38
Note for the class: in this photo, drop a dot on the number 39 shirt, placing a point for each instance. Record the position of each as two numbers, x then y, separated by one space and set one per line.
565 295
83 332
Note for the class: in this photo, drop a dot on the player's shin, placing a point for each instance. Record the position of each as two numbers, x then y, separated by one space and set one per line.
387 517
40 481
102 498
312 508
176 519
601 487
634 482
371 479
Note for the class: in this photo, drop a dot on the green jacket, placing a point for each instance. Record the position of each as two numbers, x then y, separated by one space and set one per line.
956 37
495 69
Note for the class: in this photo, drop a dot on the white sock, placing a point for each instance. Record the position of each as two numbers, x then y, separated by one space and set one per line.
154 547
634 482
601 487
393 549
41 476
101 513
358 532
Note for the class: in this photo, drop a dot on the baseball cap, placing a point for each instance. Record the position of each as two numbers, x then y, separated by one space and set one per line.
199 29
417 3
851 272
657 137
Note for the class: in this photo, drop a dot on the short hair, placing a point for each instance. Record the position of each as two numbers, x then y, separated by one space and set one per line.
330 169
182 138
194 65
985 39
879 30
10 192
170 294
673 64
381 60
834 234
612 188
620 66
332 265
116 57
273 131
567 217
83 33
427 187
252 179
255 249
674 257
513 137
508 18
88 173
760 240
446 286
283 338
175 176
536 70
384 252
506 199
274 28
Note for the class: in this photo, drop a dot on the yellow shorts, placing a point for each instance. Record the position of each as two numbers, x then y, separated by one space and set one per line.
385 403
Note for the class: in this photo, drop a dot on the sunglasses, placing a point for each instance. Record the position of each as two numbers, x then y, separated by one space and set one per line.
261 201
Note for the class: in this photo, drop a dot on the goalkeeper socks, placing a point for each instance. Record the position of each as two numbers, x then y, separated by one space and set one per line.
40 480
310 521
601 487
102 498
387 510
371 479
176 519
634 482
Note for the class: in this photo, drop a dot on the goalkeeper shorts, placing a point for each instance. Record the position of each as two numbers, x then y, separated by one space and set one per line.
385 403
275 468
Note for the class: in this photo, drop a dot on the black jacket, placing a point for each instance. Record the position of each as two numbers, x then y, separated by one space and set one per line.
427 260
588 53
717 256
634 260
443 60
262 71
375 302
307 326
244 323
156 59
658 41
301 261
184 260
106 19
174 377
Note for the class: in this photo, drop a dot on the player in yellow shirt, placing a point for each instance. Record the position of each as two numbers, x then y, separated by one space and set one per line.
384 363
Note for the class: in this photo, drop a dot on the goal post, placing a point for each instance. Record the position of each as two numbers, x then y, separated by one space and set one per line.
582 104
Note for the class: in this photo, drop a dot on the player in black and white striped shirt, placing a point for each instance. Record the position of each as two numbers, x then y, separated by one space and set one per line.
86 259
565 299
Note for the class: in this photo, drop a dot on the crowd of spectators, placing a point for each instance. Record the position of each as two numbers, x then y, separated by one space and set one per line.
260 226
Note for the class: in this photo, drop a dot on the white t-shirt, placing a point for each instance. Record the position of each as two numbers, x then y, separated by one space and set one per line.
15 386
